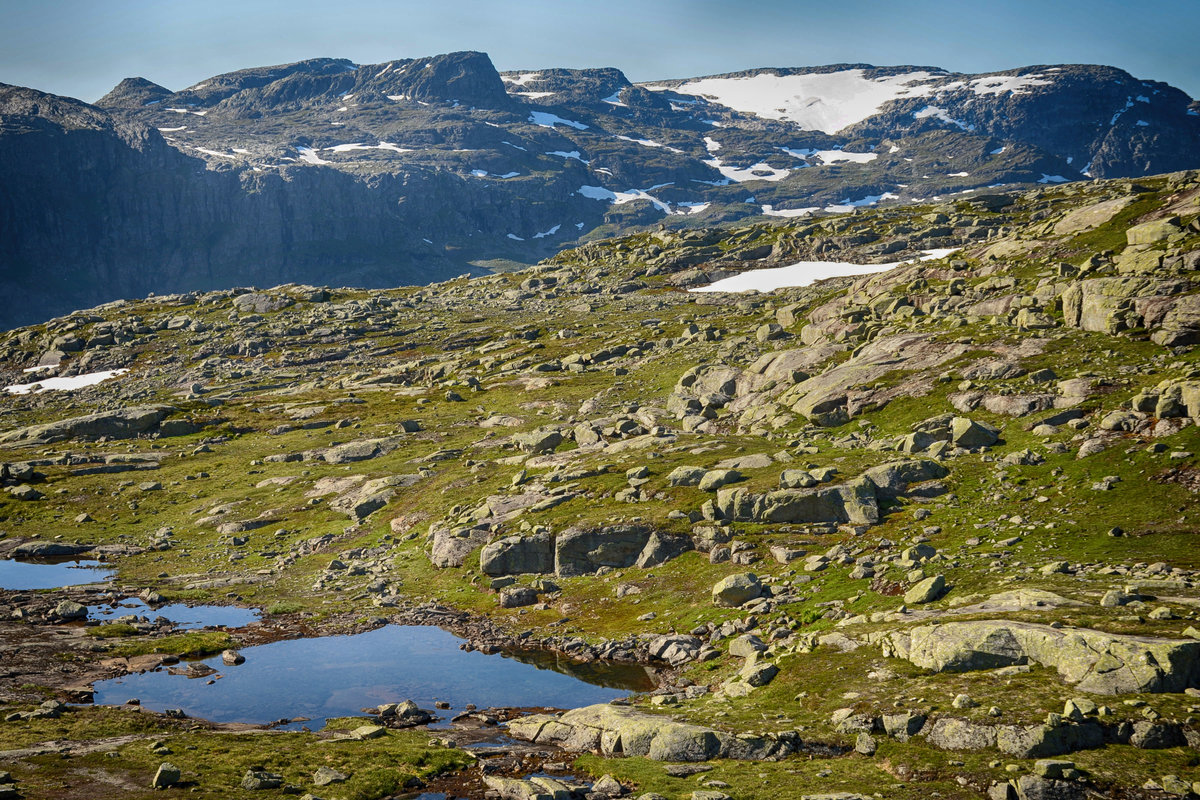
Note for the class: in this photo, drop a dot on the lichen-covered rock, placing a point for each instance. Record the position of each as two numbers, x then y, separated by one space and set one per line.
622 731
1098 662
734 590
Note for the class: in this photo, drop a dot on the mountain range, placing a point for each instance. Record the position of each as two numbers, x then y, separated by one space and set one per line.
417 170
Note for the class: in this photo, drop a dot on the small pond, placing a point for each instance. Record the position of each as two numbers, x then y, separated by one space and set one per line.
336 676
185 617
25 575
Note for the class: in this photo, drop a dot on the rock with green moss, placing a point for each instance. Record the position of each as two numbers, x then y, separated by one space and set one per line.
1095 661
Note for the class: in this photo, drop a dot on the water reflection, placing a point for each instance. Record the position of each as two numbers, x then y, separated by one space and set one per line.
26 575
336 676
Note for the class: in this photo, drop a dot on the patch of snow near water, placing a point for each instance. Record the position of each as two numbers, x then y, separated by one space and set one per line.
548 120
65 384
806 273
825 102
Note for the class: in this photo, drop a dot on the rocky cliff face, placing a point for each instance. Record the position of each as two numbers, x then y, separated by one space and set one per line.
325 171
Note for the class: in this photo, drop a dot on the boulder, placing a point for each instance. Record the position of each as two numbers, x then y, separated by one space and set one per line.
1097 662
165 776
714 479
686 476
327 775
258 780
539 441
583 551
970 434
893 478
124 423
516 555
852 502
926 591
624 731
70 610
735 590
449 547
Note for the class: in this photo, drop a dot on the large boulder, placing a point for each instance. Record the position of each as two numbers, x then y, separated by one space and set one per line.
516 555
734 590
583 551
852 502
623 731
893 478
125 423
1097 662
449 547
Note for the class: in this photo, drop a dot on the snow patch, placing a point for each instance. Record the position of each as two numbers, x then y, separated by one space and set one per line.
575 154
172 130
522 79
309 156
870 200
770 211
941 113
550 232
831 156
825 102
65 384
547 120
615 99
999 84
1053 178
805 273
756 172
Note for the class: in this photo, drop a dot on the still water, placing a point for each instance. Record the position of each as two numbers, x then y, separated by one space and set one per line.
335 676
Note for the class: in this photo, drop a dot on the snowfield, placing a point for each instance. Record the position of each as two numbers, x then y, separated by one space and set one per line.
65 384
825 102
805 273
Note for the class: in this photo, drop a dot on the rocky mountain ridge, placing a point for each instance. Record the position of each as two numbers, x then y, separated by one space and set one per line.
328 172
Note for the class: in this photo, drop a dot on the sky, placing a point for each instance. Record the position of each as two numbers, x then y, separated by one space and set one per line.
82 48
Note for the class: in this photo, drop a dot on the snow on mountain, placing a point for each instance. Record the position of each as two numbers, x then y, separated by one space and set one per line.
828 102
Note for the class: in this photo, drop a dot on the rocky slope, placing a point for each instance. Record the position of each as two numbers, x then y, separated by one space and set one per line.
416 170
923 530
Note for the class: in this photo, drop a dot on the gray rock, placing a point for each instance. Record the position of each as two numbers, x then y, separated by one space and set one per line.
124 423
686 476
327 775
1098 662
716 478
926 591
735 590
539 442
258 780
796 479
517 596
970 434
70 610
516 555
165 776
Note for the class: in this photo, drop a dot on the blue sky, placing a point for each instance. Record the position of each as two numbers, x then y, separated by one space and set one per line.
82 48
